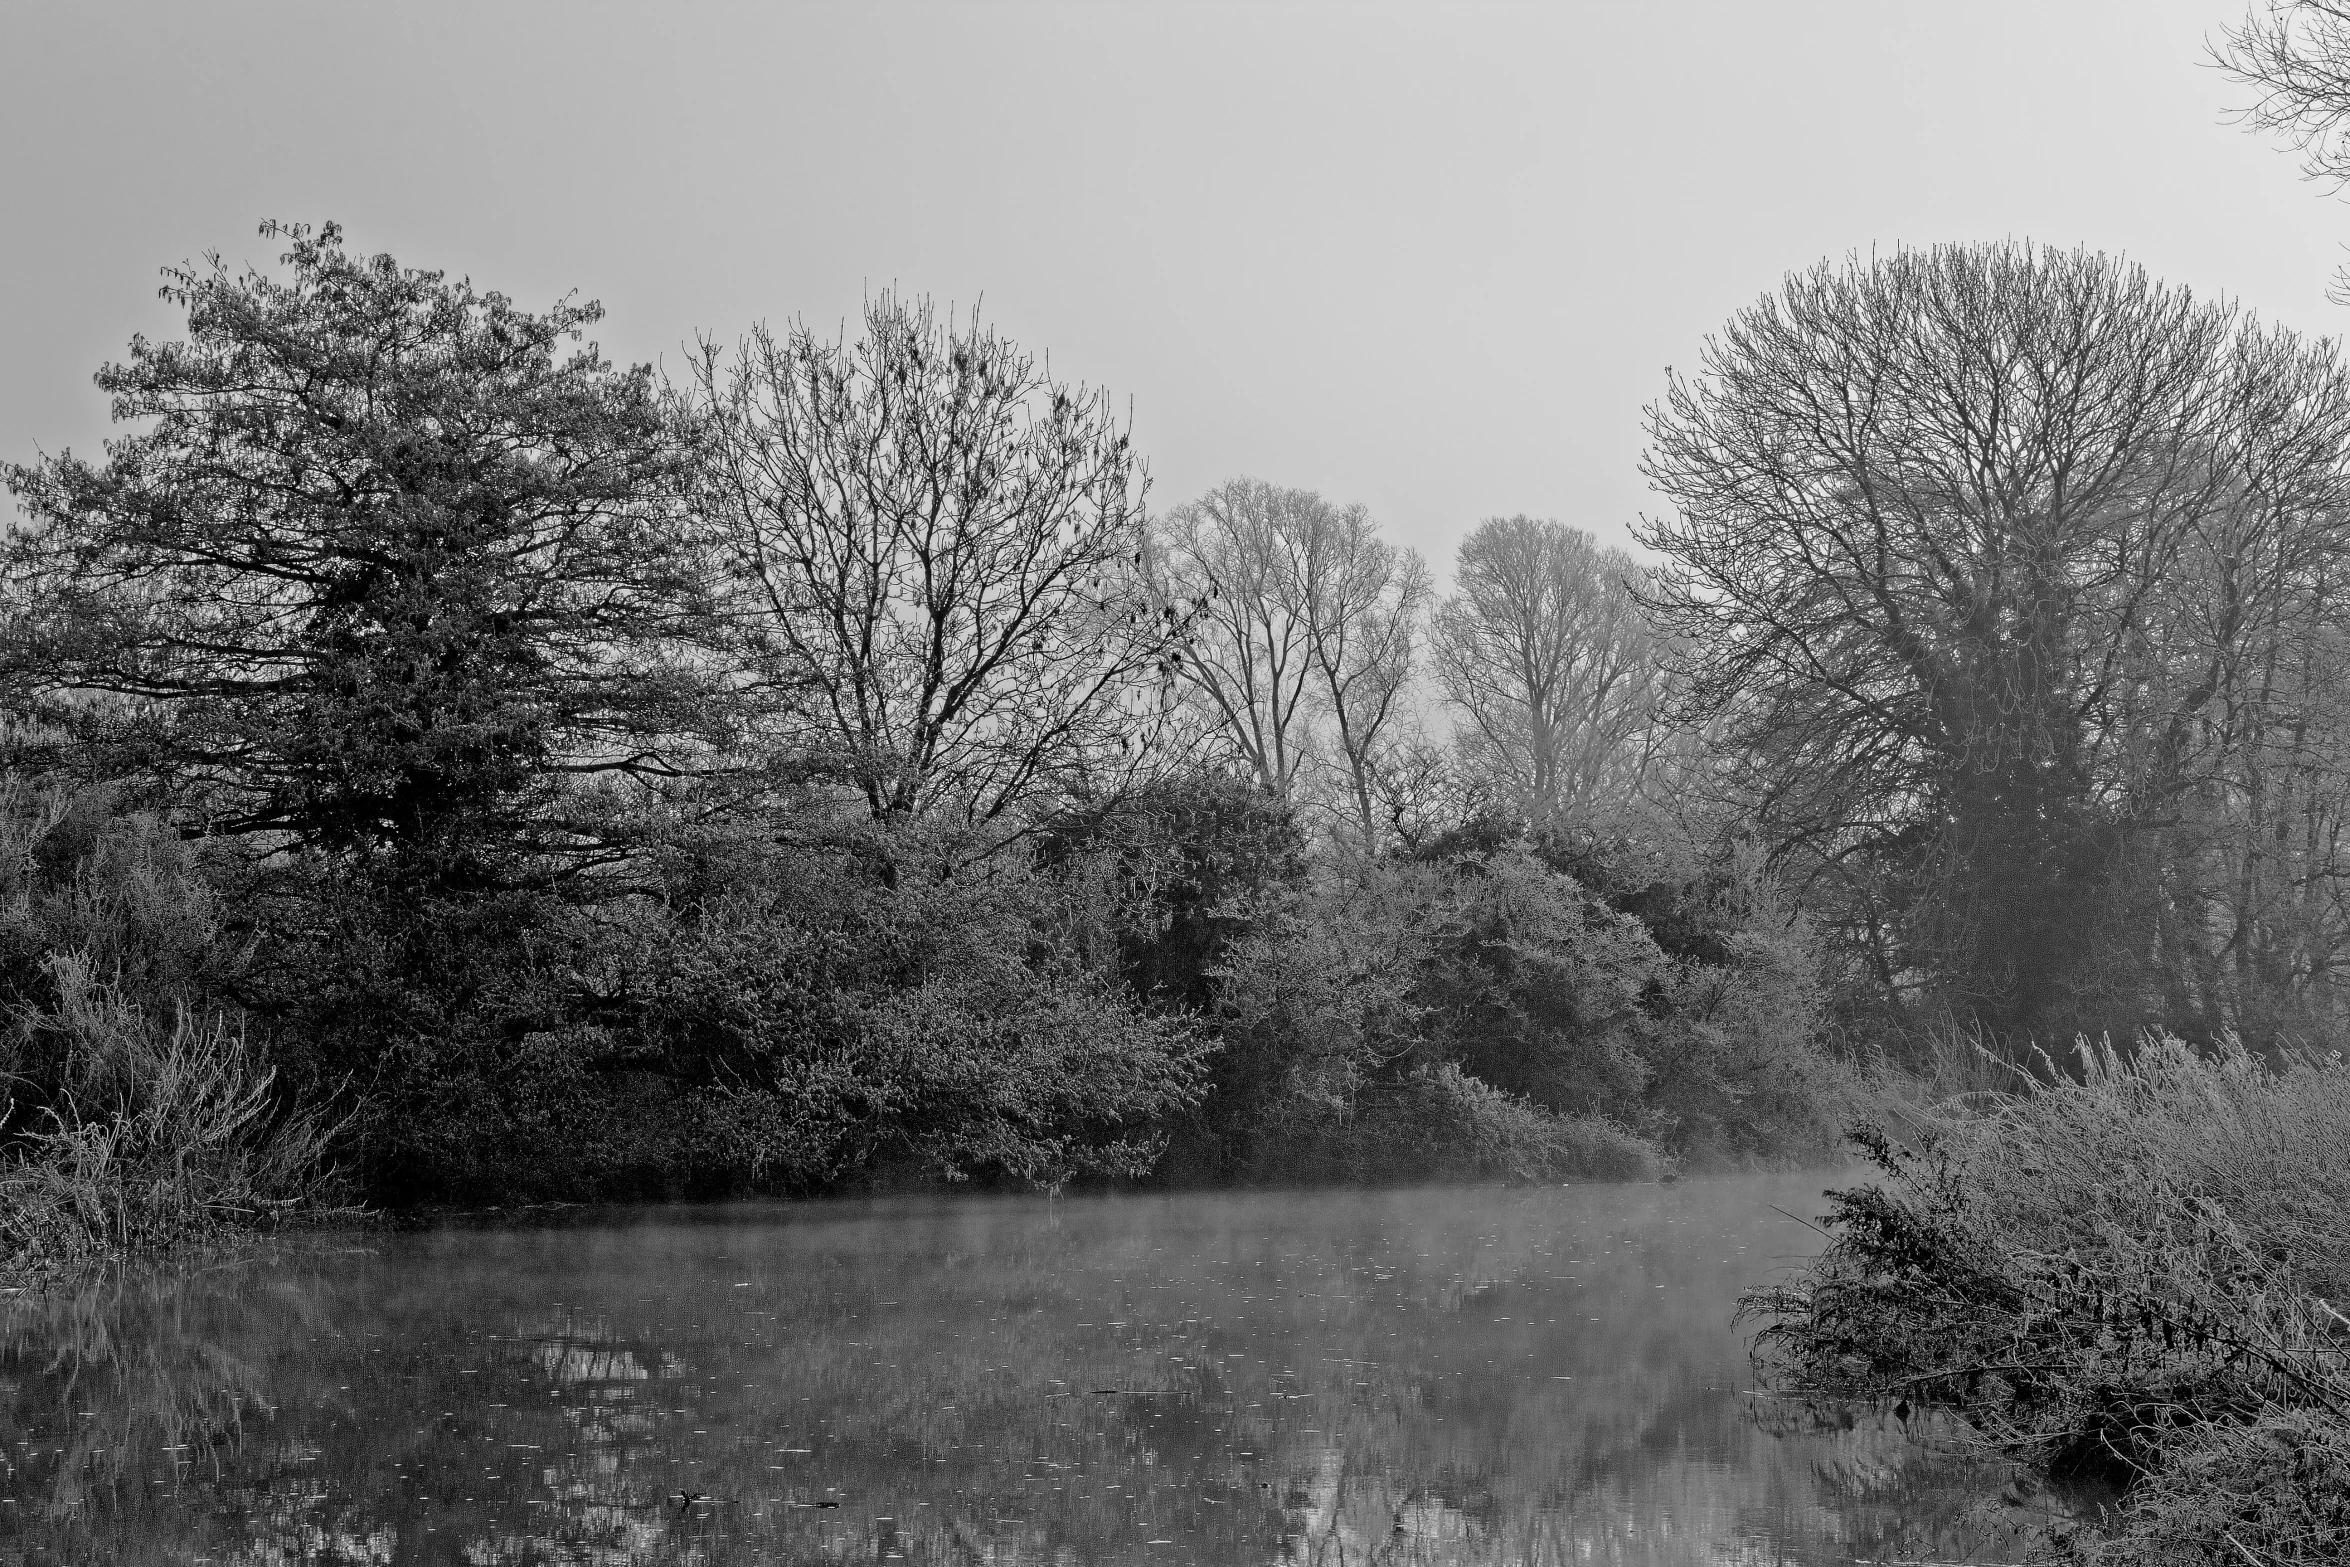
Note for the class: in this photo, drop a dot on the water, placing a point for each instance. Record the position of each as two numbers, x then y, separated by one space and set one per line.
1465 1376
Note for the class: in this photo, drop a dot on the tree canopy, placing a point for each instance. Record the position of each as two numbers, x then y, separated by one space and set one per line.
381 570
936 553
1990 560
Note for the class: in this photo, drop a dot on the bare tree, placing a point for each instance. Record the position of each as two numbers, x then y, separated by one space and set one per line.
1246 554
1365 601
939 549
1422 792
1544 649
2295 54
1978 556
1305 621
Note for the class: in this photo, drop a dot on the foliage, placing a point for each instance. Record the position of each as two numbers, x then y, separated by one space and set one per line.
771 1018
2274 1489
1316 1001
135 1110
1494 979
478 1034
159 1133
857 1013
1438 1123
1158 882
1552 988
1544 988
2118 1276
382 575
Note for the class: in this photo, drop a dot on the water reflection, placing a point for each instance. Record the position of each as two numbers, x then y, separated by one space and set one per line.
1390 1378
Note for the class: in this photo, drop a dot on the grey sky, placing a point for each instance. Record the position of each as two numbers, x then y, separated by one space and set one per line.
1429 257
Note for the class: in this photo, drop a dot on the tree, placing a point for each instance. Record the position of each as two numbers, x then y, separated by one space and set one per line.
937 547
1978 555
2296 56
1364 607
1303 618
1544 649
387 575
1246 554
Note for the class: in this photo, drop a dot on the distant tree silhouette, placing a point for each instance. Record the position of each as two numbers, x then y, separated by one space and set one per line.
1544 649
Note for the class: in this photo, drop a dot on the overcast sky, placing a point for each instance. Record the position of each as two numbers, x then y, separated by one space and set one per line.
1432 257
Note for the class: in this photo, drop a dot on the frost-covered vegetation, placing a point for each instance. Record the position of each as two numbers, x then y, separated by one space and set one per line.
2125 1275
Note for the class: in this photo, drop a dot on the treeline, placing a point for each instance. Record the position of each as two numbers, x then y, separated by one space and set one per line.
435 752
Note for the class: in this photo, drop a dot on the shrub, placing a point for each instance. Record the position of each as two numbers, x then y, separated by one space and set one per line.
2273 1490
134 1110
1158 884
841 1014
480 1030
1540 988
2119 1275
1315 1002
1439 1123
1338 1000
1560 989
157 1133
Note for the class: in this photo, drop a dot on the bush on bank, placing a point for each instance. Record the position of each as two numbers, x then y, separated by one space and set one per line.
2124 1276
1449 990
1439 1123
135 1109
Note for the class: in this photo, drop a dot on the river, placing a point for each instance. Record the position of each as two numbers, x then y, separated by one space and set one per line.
1426 1376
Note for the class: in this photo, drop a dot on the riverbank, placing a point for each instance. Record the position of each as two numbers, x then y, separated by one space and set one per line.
2125 1274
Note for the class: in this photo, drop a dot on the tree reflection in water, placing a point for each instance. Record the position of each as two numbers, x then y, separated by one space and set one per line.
1458 1376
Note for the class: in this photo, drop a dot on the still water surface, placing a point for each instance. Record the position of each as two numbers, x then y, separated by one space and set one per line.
1441 1376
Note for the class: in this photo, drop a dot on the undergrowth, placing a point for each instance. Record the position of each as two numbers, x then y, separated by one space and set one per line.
1443 1124
155 1132
2120 1275
135 1111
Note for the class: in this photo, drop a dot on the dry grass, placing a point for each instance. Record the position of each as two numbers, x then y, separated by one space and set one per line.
154 1133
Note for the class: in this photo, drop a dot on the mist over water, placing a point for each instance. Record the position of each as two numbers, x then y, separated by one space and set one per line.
1429 1376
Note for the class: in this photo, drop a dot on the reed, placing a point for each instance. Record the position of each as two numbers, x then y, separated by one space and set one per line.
152 1132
